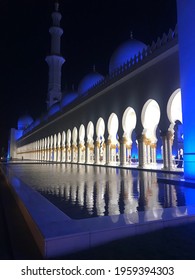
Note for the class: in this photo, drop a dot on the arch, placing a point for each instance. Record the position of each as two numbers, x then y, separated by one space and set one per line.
100 151
90 143
69 136
59 139
63 138
90 130
150 117
51 147
43 143
129 121
81 132
45 149
74 145
113 149
174 108
42 149
113 126
68 149
55 140
100 127
74 135
149 122
63 147
174 113
55 146
81 144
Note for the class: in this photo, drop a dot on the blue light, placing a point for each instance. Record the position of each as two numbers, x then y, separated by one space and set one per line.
186 30
24 122
54 109
18 134
37 122
124 53
68 98
89 81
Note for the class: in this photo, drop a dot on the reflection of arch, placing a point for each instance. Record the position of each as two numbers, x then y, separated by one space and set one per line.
90 145
150 117
113 144
100 155
81 144
129 120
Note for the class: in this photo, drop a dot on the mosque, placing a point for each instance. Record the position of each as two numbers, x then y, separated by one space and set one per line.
133 115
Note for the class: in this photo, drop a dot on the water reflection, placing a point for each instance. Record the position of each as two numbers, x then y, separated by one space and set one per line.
89 191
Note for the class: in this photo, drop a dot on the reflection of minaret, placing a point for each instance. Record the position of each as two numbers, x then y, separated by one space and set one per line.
54 59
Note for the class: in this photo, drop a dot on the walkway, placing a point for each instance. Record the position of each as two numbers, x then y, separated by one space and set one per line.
16 241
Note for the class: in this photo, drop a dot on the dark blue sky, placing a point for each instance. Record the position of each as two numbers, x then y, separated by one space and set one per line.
92 31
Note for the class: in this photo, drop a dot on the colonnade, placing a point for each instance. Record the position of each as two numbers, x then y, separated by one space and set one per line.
100 153
83 145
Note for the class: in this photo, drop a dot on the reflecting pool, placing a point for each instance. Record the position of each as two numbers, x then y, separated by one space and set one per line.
89 191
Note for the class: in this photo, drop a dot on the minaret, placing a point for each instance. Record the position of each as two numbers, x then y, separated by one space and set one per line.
54 59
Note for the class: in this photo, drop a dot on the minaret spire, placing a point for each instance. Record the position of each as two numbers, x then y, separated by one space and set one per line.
54 59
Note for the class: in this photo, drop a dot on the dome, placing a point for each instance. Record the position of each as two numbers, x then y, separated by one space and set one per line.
125 52
24 122
68 98
89 81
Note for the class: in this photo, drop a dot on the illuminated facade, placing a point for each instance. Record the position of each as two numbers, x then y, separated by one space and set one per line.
186 26
133 116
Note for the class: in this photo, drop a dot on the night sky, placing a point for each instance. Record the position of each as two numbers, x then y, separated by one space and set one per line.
93 29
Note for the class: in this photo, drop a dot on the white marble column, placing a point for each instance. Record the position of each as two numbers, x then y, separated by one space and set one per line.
97 152
153 153
142 151
63 154
165 153
123 159
169 149
87 153
108 152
